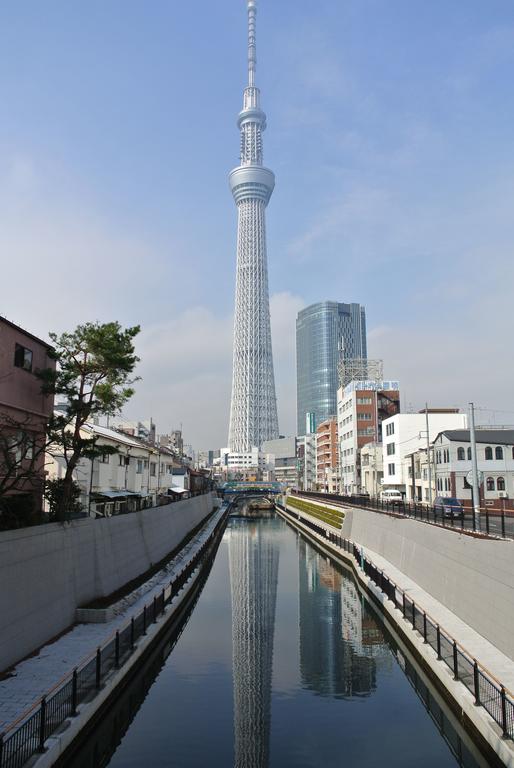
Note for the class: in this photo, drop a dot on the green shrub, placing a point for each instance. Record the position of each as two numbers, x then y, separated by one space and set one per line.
332 517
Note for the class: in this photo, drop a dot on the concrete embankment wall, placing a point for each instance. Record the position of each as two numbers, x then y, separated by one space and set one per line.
46 572
473 577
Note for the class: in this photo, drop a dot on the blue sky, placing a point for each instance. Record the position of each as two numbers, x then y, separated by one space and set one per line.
390 133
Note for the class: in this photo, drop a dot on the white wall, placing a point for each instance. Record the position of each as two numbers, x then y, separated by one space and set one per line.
409 435
48 571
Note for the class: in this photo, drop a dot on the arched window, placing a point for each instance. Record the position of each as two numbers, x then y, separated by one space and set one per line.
489 453
498 452
469 453
490 483
500 484
461 454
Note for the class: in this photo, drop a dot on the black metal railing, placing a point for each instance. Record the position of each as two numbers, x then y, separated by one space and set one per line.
493 521
487 691
28 734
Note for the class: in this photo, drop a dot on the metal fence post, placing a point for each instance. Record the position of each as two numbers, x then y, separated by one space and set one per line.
403 603
424 627
132 634
476 682
74 693
504 713
98 667
455 661
438 642
117 649
503 523
487 519
42 725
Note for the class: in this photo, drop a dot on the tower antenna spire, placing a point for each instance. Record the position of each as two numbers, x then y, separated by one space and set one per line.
252 51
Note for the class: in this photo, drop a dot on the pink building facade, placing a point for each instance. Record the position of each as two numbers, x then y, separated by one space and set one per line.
24 413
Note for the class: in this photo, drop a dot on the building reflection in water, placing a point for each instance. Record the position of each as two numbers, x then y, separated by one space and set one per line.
253 557
341 646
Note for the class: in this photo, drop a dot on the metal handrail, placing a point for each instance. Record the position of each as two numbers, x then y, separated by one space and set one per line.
423 512
24 737
503 711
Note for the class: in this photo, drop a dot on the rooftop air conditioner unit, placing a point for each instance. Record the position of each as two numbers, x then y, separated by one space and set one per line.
503 495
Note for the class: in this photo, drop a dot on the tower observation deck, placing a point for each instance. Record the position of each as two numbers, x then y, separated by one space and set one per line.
253 409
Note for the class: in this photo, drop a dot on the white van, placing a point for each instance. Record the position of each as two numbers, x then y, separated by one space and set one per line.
391 496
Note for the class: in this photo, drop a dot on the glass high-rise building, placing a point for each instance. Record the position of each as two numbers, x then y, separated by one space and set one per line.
325 333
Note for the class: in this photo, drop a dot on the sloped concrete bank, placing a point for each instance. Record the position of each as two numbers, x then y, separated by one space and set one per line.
61 747
472 577
48 571
485 732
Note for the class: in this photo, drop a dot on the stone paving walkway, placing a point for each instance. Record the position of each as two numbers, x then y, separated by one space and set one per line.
33 678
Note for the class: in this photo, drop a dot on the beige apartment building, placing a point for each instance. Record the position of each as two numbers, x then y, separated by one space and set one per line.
327 465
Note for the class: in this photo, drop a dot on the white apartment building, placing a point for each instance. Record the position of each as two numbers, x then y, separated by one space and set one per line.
372 469
137 476
362 406
306 447
243 466
495 459
405 433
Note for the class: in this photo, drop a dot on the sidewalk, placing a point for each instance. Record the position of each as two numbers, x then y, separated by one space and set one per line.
33 678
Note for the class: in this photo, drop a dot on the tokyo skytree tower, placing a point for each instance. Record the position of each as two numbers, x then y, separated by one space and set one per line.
253 409
254 558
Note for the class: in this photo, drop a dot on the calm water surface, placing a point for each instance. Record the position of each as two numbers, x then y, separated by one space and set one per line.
282 663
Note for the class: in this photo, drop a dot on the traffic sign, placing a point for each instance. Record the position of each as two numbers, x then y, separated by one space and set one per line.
469 477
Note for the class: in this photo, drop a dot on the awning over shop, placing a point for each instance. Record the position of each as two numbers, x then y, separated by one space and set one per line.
116 494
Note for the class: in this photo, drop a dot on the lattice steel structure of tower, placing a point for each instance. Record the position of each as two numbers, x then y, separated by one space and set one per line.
254 552
253 409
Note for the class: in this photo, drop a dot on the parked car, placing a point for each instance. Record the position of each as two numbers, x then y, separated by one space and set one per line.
391 496
447 506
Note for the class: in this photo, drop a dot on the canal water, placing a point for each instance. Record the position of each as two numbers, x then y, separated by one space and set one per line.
281 663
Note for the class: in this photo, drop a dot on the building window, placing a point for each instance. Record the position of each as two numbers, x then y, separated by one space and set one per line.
461 454
390 449
105 458
390 469
469 453
498 452
489 453
438 457
139 467
489 483
22 357
389 429
500 484
446 455
153 468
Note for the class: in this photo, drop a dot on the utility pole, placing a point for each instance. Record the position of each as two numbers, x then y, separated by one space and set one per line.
428 458
474 468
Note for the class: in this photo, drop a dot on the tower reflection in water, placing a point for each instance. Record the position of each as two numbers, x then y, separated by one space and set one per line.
341 646
253 557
